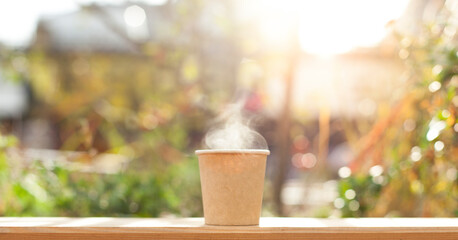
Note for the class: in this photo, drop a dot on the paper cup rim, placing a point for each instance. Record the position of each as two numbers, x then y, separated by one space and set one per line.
241 151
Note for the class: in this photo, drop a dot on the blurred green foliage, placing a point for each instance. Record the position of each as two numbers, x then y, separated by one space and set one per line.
40 190
414 149
151 106
366 192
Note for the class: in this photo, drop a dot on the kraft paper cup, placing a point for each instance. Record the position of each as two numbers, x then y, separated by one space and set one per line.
232 185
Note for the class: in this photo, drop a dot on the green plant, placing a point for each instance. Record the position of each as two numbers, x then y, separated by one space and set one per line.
56 191
415 147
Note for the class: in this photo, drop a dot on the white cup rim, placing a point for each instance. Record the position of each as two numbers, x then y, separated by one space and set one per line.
242 151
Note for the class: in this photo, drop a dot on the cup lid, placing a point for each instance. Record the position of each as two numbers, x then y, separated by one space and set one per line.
243 151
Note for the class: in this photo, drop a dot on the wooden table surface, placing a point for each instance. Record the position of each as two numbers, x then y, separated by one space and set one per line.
194 228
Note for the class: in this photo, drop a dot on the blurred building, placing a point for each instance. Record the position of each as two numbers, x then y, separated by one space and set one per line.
131 50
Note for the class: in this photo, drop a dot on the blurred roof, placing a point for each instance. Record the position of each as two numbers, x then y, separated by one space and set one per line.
102 29
82 31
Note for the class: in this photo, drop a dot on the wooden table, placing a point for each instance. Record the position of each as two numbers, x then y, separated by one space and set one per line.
194 228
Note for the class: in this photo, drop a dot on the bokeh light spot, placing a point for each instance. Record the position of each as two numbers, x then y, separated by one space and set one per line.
350 194
376 170
415 154
434 86
344 172
339 203
353 205
439 146
134 16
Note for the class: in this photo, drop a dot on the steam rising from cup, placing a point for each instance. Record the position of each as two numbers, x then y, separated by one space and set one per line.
234 133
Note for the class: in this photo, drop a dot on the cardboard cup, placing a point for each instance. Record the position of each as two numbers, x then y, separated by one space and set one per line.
232 185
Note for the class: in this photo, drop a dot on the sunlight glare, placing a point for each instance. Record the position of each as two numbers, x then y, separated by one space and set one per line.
331 27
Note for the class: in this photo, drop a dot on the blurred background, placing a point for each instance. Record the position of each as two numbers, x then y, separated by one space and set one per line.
102 104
